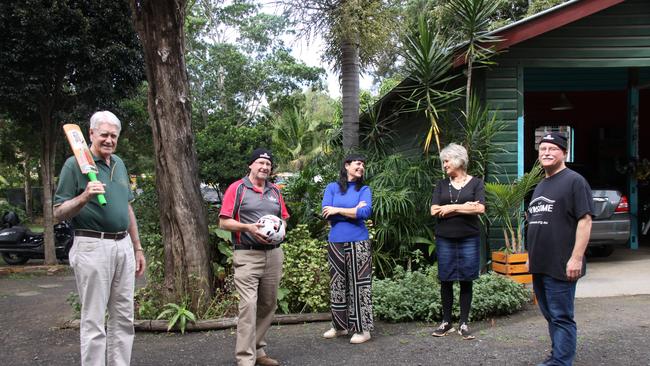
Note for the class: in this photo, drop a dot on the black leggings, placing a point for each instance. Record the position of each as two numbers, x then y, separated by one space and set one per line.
447 297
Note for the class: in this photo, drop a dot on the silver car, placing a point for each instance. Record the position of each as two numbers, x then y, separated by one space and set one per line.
611 225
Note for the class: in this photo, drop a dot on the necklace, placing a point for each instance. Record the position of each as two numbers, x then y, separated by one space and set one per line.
462 185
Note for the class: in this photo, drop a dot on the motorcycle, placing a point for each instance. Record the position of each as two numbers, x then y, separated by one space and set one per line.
18 244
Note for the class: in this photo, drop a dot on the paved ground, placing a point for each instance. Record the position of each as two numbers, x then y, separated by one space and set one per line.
625 272
612 331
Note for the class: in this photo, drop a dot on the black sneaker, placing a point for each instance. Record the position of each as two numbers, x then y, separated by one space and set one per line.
464 332
444 329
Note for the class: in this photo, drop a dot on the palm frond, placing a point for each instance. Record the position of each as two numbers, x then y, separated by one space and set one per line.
505 202
428 63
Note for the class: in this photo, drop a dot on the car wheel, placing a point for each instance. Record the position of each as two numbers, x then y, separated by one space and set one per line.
14 259
602 251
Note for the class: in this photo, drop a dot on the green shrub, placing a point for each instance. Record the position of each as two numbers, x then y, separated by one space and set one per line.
149 299
305 283
415 295
145 206
408 295
155 254
220 240
225 301
495 294
148 302
303 195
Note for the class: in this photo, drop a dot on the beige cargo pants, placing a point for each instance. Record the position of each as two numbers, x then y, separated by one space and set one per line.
257 277
105 273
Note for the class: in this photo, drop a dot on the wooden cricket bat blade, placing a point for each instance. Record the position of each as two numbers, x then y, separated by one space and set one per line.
82 154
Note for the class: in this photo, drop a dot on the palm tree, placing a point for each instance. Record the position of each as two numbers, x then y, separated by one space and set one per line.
472 22
350 91
354 32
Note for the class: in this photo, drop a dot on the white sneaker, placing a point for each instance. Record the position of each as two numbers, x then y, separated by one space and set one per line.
333 333
360 337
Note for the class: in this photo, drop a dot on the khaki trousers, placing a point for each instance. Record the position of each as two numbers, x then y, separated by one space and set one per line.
105 273
257 277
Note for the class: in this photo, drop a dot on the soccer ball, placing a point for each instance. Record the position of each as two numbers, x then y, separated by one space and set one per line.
273 228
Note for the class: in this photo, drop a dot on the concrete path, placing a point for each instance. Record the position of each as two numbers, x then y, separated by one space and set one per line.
625 272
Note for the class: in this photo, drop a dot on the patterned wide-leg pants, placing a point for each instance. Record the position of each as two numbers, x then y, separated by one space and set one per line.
351 285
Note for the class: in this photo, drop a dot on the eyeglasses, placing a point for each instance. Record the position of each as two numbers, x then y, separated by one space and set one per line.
551 149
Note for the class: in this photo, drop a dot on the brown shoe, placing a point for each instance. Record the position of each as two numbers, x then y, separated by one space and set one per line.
266 361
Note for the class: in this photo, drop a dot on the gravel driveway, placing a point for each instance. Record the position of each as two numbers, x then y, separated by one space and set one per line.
612 331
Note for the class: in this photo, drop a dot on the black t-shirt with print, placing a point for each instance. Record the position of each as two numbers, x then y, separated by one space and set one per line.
458 226
557 204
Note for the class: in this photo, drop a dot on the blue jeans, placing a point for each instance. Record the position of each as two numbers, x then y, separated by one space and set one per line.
556 298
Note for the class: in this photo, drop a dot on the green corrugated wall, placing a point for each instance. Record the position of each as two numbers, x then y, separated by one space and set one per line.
615 37
618 37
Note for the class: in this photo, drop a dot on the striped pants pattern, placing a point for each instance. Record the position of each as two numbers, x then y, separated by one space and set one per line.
351 286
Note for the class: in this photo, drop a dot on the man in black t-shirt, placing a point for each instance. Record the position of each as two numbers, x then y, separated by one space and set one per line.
559 224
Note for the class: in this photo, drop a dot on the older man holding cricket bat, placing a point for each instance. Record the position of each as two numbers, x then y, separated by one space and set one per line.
94 193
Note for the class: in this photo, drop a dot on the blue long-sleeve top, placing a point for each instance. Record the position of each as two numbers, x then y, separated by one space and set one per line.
345 229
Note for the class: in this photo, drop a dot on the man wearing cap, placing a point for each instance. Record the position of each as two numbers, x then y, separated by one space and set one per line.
559 223
106 255
257 263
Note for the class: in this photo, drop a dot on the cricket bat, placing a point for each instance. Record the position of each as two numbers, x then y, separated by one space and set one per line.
83 155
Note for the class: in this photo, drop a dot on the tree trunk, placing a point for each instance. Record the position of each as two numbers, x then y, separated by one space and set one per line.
27 183
182 214
350 93
48 136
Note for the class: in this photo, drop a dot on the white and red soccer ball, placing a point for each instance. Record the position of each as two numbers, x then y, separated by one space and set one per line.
273 228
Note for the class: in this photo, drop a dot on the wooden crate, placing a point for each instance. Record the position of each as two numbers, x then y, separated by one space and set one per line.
512 265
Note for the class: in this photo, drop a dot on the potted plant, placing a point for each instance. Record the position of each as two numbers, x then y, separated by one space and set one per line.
505 208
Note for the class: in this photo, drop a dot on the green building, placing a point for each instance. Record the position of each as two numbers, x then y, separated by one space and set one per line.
582 68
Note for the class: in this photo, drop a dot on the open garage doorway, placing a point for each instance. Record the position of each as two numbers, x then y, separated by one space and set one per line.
593 106
596 123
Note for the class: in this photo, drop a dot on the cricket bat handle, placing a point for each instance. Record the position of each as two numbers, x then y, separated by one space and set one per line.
100 197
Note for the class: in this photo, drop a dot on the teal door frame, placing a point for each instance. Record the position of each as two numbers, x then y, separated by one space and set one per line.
633 151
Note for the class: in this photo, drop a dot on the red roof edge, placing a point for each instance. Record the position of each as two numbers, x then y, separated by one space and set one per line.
512 35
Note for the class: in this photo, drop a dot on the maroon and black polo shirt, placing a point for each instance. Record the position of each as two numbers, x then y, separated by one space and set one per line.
246 203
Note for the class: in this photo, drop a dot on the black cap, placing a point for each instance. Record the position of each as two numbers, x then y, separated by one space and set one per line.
261 153
555 139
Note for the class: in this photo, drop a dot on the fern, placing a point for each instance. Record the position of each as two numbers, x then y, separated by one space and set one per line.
177 314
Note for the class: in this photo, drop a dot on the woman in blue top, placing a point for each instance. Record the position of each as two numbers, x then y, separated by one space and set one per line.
347 204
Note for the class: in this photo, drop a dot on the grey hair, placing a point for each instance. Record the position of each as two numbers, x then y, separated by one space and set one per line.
456 154
105 117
